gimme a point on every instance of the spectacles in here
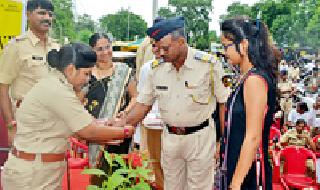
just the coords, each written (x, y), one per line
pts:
(42, 13)
(225, 47)
(103, 48)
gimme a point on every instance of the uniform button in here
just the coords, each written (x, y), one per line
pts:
(178, 96)
(177, 114)
(178, 78)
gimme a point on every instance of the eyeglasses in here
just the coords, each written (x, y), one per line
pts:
(44, 12)
(225, 47)
(103, 48)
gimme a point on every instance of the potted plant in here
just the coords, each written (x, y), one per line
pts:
(128, 172)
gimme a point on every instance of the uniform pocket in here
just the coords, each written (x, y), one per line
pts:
(163, 97)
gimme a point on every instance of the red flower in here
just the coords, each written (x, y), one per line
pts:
(135, 159)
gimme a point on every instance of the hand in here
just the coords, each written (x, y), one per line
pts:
(122, 115)
(217, 154)
(116, 122)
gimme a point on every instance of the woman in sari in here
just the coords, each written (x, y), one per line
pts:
(111, 92)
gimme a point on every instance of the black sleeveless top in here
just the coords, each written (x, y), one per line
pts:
(238, 131)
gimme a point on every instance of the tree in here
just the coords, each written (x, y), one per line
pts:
(117, 25)
(85, 22)
(84, 35)
(196, 14)
(63, 24)
(236, 9)
(165, 12)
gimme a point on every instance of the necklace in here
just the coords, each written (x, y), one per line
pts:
(239, 79)
(102, 73)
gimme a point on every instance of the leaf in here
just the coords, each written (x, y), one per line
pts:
(114, 181)
(141, 186)
(120, 160)
(108, 157)
(93, 187)
(93, 171)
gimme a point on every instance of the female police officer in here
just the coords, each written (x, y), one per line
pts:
(49, 114)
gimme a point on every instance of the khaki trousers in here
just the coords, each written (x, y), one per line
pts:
(154, 148)
(187, 160)
(20, 174)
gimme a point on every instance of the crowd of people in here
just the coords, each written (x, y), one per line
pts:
(50, 93)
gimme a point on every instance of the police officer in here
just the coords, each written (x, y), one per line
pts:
(298, 136)
(186, 86)
(37, 159)
(285, 88)
(23, 61)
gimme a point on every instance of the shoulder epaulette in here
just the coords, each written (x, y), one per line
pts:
(21, 37)
(155, 63)
(205, 57)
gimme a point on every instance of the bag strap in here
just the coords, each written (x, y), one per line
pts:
(229, 119)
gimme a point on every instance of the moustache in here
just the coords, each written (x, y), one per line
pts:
(45, 22)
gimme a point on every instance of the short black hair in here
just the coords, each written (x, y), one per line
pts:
(300, 121)
(43, 4)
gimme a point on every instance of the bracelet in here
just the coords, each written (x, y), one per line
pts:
(12, 125)
(126, 132)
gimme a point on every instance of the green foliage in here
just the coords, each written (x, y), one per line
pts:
(117, 24)
(196, 14)
(290, 21)
(84, 35)
(63, 24)
(122, 173)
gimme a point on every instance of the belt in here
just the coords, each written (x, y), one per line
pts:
(187, 130)
(45, 157)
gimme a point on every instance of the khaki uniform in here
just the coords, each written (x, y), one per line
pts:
(285, 100)
(144, 54)
(44, 126)
(184, 101)
(23, 63)
(291, 138)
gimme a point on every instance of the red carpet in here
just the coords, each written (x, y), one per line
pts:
(78, 181)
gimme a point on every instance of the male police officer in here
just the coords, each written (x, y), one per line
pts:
(186, 86)
(23, 61)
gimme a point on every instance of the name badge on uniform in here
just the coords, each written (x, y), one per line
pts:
(38, 58)
(161, 87)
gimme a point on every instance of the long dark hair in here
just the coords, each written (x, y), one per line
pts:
(261, 53)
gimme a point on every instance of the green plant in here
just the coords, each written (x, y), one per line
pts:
(128, 172)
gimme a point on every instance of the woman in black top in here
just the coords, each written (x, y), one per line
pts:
(251, 106)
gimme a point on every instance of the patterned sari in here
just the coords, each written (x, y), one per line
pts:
(106, 97)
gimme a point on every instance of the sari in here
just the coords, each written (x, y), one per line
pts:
(106, 97)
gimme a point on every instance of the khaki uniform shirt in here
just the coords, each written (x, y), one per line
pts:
(23, 63)
(284, 87)
(49, 114)
(291, 138)
(144, 54)
(183, 96)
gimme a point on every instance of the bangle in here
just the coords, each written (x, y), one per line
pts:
(126, 132)
(12, 125)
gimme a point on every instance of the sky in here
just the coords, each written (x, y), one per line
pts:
(97, 8)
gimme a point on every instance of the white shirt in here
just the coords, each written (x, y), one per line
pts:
(152, 120)
(294, 116)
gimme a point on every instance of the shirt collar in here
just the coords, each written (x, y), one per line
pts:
(57, 74)
(188, 63)
(35, 40)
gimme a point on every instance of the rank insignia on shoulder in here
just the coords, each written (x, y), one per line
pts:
(205, 57)
(156, 63)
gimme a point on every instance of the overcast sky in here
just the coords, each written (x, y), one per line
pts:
(97, 8)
